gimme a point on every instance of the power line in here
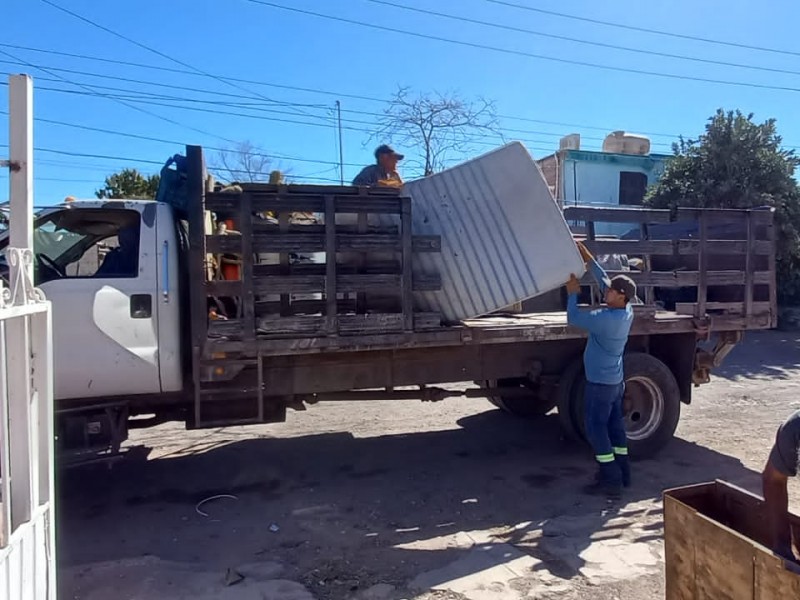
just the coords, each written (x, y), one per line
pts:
(158, 101)
(153, 50)
(581, 41)
(151, 162)
(256, 107)
(143, 95)
(643, 29)
(337, 94)
(475, 141)
(480, 46)
(94, 93)
(179, 143)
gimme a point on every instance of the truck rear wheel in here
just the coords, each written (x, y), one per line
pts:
(651, 405)
(529, 405)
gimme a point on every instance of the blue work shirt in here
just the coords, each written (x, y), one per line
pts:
(608, 333)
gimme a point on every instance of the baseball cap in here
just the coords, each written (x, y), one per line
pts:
(387, 149)
(624, 285)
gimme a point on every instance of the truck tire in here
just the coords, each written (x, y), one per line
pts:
(567, 396)
(520, 406)
(652, 405)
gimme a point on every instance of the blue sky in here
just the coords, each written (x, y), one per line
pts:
(268, 45)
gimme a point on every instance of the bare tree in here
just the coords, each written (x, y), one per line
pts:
(441, 126)
(243, 162)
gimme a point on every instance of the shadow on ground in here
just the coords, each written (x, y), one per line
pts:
(763, 354)
(345, 511)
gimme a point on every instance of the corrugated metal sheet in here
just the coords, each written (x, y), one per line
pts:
(504, 239)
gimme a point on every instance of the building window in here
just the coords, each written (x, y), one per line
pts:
(632, 187)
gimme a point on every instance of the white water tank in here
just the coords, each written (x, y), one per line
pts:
(570, 142)
(621, 142)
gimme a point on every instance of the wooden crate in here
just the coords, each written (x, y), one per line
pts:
(714, 537)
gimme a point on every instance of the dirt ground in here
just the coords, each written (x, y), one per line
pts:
(390, 500)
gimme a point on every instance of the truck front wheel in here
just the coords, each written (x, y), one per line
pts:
(651, 404)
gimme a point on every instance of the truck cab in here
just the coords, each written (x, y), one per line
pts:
(111, 270)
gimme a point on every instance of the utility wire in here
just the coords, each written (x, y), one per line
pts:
(643, 29)
(581, 41)
(510, 51)
(475, 141)
(179, 143)
(155, 51)
(95, 93)
(289, 87)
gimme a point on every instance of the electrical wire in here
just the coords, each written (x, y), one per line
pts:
(522, 53)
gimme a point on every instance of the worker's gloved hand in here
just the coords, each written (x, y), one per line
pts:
(573, 285)
(585, 254)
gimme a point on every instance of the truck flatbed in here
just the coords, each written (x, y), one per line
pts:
(492, 329)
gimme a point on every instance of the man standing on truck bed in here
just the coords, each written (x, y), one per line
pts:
(783, 462)
(608, 329)
(383, 172)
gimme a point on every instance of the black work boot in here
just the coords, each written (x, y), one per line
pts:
(608, 481)
(624, 465)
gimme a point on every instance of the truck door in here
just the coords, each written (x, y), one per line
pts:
(98, 267)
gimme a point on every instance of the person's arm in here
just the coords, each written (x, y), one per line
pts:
(776, 496)
(590, 320)
(366, 177)
(599, 274)
(592, 265)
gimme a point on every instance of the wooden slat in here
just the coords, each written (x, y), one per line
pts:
(686, 278)
(733, 308)
(315, 284)
(361, 297)
(616, 215)
(682, 247)
(311, 200)
(315, 325)
(331, 320)
(248, 295)
(315, 242)
(600, 214)
(406, 283)
(644, 235)
(301, 307)
(772, 265)
(702, 261)
(290, 284)
(198, 314)
(721, 215)
(371, 205)
(284, 259)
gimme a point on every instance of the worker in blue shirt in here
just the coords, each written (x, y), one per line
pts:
(608, 329)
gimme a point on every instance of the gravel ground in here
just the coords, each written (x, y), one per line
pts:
(408, 500)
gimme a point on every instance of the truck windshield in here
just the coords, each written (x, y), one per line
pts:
(51, 240)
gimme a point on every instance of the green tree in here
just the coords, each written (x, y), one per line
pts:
(739, 163)
(129, 183)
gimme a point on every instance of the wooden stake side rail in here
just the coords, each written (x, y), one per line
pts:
(730, 276)
(274, 221)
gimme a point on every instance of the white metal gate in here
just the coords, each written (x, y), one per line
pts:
(27, 532)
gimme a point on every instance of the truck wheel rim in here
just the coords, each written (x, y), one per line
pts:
(643, 407)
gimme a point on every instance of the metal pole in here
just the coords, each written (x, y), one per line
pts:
(341, 148)
(20, 104)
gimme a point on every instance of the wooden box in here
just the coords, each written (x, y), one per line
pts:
(714, 537)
